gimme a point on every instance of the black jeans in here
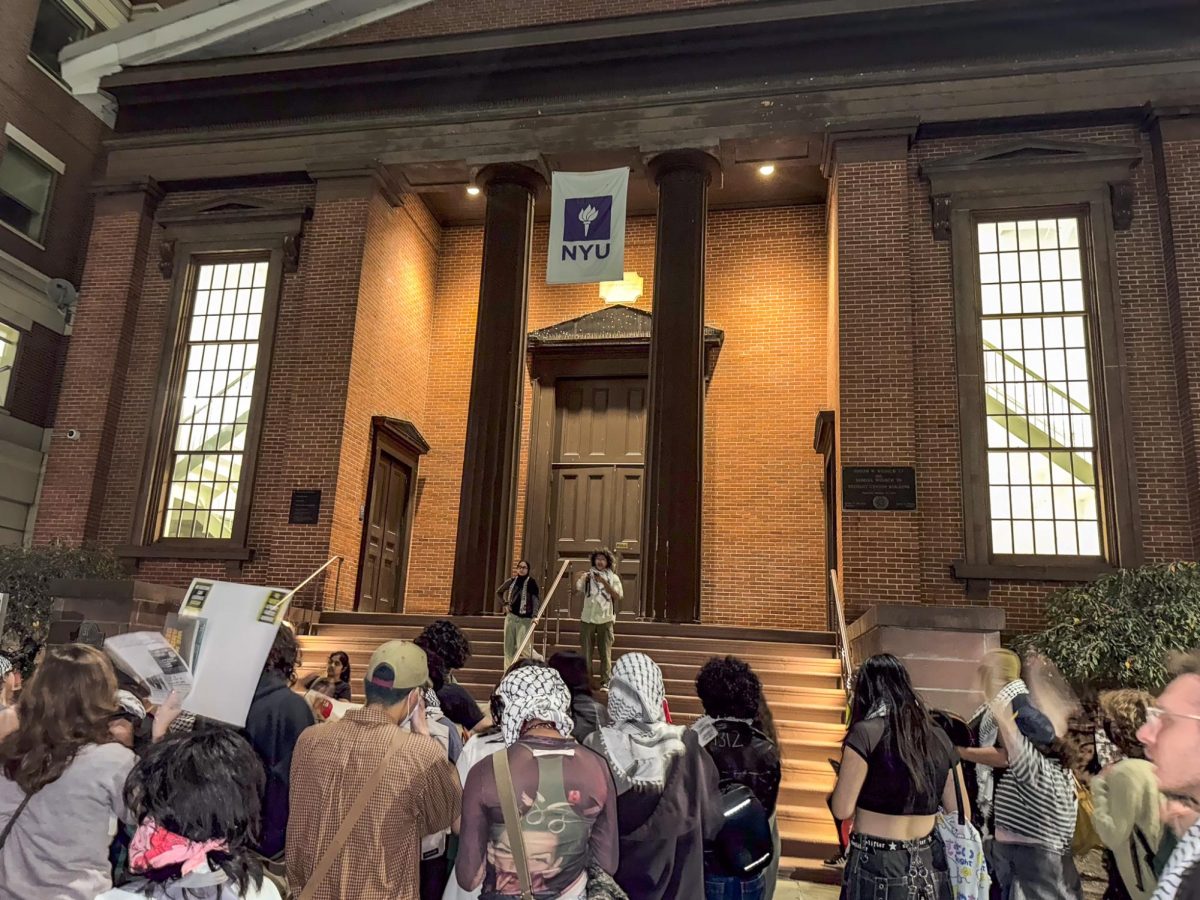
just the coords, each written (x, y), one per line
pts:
(883, 869)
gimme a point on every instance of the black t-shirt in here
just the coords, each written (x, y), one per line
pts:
(459, 706)
(888, 786)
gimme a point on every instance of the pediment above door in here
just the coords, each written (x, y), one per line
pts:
(617, 331)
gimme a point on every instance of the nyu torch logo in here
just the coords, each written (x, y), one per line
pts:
(587, 228)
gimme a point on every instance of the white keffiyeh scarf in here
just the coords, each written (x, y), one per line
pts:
(1185, 855)
(638, 742)
(534, 694)
(989, 730)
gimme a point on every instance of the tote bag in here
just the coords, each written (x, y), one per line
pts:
(964, 852)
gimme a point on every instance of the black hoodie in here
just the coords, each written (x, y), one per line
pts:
(277, 716)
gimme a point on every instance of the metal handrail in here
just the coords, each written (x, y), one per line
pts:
(540, 613)
(318, 606)
(843, 639)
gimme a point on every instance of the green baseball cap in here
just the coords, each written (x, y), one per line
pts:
(398, 665)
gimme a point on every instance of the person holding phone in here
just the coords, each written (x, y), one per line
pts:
(601, 589)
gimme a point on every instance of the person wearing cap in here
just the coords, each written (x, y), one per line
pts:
(412, 789)
(1035, 804)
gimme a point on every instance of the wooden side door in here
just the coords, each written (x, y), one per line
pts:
(384, 564)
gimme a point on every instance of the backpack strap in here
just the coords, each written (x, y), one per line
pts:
(512, 820)
(13, 820)
(343, 833)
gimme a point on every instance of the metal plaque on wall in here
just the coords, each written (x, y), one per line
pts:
(305, 508)
(879, 488)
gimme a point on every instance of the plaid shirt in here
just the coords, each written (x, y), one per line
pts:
(419, 795)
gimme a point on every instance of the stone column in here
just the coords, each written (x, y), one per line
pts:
(488, 496)
(672, 499)
(93, 384)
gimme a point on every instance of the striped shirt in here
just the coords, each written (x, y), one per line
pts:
(1035, 798)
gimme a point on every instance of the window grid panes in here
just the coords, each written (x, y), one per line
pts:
(1041, 422)
(209, 438)
(9, 337)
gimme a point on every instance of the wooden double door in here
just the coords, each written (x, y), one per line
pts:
(597, 465)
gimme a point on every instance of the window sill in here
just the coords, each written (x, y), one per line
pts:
(1063, 572)
(221, 552)
(22, 235)
(57, 79)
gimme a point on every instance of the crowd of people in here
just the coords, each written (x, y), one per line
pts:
(556, 792)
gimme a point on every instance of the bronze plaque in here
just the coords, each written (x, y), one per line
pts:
(879, 488)
(305, 508)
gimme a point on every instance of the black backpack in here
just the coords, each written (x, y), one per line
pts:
(743, 846)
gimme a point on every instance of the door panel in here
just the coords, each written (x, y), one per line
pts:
(596, 496)
(383, 557)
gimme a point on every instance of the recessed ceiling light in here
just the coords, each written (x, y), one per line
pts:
(766, 169)
(473, 191)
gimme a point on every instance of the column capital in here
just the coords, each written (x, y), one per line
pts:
(510, 173)
(343, 179)
(875, 144)
(664, 164)
(1173, 123)
(117, 195)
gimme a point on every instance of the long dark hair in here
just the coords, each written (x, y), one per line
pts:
(344, 659)
(883, 682)
(65, 707)
(204, 785)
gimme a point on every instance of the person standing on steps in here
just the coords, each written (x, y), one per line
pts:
(521, 597)
(601, 588)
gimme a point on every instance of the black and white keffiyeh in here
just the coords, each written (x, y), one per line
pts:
(534, 694)
(638, 742)
(6, 666)
(1185, 856)
(989, 731)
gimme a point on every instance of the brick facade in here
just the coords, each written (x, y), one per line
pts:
(846, 306)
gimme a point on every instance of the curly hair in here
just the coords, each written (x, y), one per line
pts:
(1124, 713)
(445, 639)
(728, 688)
(284, 654)
(204, 786)
(65, 707)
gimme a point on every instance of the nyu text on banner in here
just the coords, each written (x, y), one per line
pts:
(587, 227)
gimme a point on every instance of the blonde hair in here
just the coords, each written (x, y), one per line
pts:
(1005, 663)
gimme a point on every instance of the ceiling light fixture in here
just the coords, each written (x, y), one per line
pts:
(766, 169)
(473, 191)
(625, 291)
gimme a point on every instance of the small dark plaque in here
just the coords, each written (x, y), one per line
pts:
(879, 488)
(305, 508)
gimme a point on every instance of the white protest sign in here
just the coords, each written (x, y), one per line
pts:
(241, 622)
(587, 227)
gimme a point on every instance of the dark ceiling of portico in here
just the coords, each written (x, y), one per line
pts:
(797, 179)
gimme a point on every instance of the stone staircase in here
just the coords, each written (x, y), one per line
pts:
(800, 673)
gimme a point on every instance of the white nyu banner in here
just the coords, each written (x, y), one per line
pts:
(587, 227)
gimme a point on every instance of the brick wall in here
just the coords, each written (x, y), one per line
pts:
(389, 371)
(764, 546)
(35, 377)
(45, 110)
(443, 17)
(876, 355)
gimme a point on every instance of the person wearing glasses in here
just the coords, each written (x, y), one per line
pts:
(1171, 736)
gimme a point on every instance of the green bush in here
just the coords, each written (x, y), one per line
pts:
(1119, 630)
(25, 574)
